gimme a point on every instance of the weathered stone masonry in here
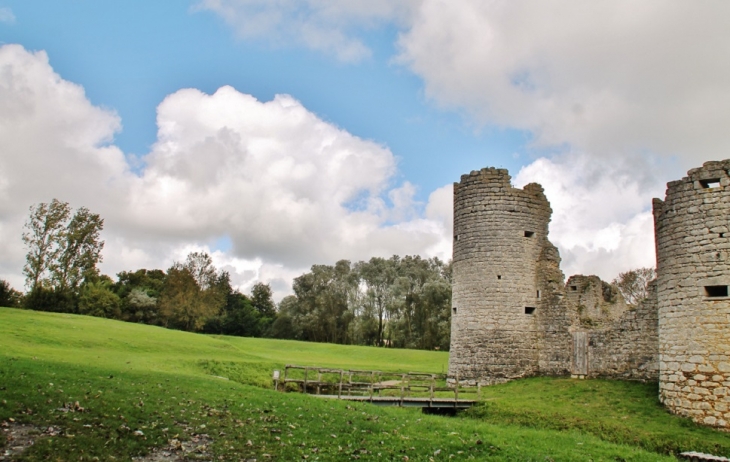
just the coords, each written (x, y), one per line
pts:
(513, 316)
(693, 275)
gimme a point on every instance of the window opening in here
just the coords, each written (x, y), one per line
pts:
(716, 291)
(709, 184)
(499, 276)
(573, 287)
(456, 238)
(722, 234)
(454, 308)
(529, 233)
(529, 310)
(538, 294)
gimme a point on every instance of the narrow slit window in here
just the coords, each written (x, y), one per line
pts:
(529, 310)
(454, 308)
(529, 233)
(709, 184)
(538, 294)
(716, 291)
(456, 238)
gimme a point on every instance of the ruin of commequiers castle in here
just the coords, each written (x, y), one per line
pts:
(515, 316)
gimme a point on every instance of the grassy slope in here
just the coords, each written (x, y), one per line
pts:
(132, 377)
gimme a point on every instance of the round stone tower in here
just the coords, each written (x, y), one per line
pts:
(692, 227)
(500, 237)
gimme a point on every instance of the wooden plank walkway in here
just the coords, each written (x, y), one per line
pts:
(439, 403)
(410, 389)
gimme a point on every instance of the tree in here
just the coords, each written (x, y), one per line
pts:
(139, 291)
(97, 299)
(633, 284)
(193, 293)
(42, 237)
(379, 275)
(79, 250)
(262, 300)
(63, 251)
(9, 297)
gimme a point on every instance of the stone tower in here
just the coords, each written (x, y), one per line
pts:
(500, 242)
(692, 229)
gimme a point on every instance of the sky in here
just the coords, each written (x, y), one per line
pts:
(279, 134)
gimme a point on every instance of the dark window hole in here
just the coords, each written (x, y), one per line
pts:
(708, 184)
(499, 276)
(454, 308)
(538, 294)
(529, 233)
(716, 291)
(456, 238)
(573, 287)
(529, 309)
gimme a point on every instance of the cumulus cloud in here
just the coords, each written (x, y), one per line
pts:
(7, 16)
(606, 78)
(613, 89)
(602, 221)
(284, 188)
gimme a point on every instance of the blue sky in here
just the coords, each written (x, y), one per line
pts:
(129, 56)
(163, 117)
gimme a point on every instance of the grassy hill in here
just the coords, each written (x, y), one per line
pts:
(112, 391)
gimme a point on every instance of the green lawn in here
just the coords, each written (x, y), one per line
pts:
(143, 387)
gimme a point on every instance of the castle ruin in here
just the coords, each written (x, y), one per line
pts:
(514, 316)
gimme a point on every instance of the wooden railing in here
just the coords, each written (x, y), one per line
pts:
(341, 383)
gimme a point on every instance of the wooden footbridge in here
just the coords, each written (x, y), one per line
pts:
(410, 389)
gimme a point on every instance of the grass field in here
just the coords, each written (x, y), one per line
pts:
(141, 388)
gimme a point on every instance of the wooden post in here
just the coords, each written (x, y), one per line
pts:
(433, 382)
(339, 390)
(372, 375)
(479, 390)
(306, 369)
(319, 379)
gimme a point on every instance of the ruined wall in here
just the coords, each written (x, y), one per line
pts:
(499, 236)
(625, 343)
(693, 268)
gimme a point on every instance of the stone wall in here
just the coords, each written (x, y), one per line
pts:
(693, 268)
(625, 344)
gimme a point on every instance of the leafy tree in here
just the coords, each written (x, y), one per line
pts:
(378, 274)
(633, 284)
(262, 300)
(139, 306)
(42, 237)
(63, 251)
(98, 299)
(79, 250)
(285, 325)
(9, 297)
(193, 293)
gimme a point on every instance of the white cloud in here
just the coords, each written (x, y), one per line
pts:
(606, 78)
(7, 16)
(602, 221)
(287, 189)
(329, 26)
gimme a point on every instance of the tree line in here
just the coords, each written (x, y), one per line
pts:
(401, 302)
(397, 302)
